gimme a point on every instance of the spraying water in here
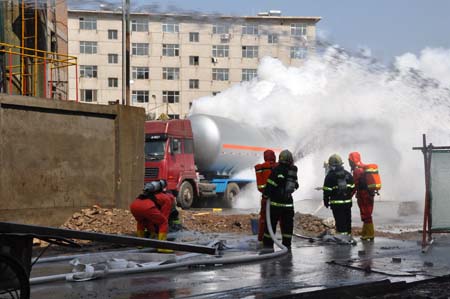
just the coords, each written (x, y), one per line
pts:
(339, 103)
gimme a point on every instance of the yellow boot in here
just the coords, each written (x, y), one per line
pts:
(363, 232)
(140, 233)
(370, 232)
(163, 237)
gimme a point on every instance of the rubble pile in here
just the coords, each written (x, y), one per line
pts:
(119, 221)
(310, 225)
(101, 220)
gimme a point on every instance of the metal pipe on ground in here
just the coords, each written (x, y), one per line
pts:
(11, 228)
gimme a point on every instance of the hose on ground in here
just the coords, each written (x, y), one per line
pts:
(209, 261)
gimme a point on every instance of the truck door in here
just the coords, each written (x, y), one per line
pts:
(176, 162)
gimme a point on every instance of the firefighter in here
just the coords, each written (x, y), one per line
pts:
(262, 172)
(365, 198)
(338, 190)
(281, 183)
(151, 210)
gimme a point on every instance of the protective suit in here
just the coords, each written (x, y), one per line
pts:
(364, 197)
(338, 190)
(262, 172)
(282, 182)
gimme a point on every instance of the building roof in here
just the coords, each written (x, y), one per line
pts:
(200, 16)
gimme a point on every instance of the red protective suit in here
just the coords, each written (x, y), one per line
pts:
(147, 214)
(263, 172)
(164, 202)
(365, 199)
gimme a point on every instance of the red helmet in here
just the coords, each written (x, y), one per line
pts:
(355, 158)
(269, 156)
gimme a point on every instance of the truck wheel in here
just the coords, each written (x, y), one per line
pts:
(186, 195)
(230, 194)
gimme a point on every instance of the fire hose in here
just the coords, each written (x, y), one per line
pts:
(216, 261)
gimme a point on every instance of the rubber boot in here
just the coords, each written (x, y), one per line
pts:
(364, 232)
(140, 234)
(370, 232)
(163, 237)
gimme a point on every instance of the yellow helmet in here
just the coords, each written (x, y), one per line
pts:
(335, 160)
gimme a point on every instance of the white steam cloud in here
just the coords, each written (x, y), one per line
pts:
(337, 103)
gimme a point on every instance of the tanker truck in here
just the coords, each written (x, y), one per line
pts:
(199, 157)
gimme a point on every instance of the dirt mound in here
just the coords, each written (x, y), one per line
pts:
(119, 221)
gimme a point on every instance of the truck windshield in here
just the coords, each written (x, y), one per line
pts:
(154, 149)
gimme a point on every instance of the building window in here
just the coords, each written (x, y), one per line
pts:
(139, 49)
(194, 83)
(194, 60)
(220, 74)
(171, 96)
(220, 51)
(171, 73)
(88, 71)
(171, 50)
(112, 34)
(139, 72)
(88, 95)
(250, 51)
(214, 93)
(221, 29)
(139, 96)
(113, 58)
(248, 74)
(139, 25)
(173, 116)
(170, 27)
(88, 24)
(251, 29)
(272, 38)
(298, 29)
(88, 47)
(113, 82)
(298, 52)
(194, 37)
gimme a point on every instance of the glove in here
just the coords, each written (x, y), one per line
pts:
(326, 203)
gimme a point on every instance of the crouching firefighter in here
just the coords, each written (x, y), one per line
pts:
(338, 190)
(263, 172)
(281, 183)
(151, 209)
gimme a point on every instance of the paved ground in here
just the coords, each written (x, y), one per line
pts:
(311, 267)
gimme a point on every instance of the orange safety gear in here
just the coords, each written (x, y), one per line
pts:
(164, 202)
(147, 215)
(263, 171)
(362, 175)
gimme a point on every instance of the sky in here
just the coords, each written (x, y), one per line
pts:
(388, 28)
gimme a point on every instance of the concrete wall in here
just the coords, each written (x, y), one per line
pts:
(57, 157)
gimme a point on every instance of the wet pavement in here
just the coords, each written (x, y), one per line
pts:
(310, 267)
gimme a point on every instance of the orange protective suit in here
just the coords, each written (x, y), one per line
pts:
(263, 172)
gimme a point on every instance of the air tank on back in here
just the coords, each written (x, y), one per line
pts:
(225, 147)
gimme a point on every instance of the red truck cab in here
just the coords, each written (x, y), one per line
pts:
(169, 155)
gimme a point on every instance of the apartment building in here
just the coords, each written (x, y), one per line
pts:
(178, 58)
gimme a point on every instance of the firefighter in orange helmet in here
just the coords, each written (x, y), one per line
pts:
(263, 172)
(364, 197)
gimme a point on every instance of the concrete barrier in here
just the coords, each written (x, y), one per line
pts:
(57, 157)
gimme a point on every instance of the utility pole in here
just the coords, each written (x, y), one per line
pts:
(126, 52)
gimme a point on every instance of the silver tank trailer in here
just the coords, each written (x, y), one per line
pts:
(225, 147)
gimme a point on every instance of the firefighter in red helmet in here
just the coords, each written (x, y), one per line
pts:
(262, 172)
(364, 196)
